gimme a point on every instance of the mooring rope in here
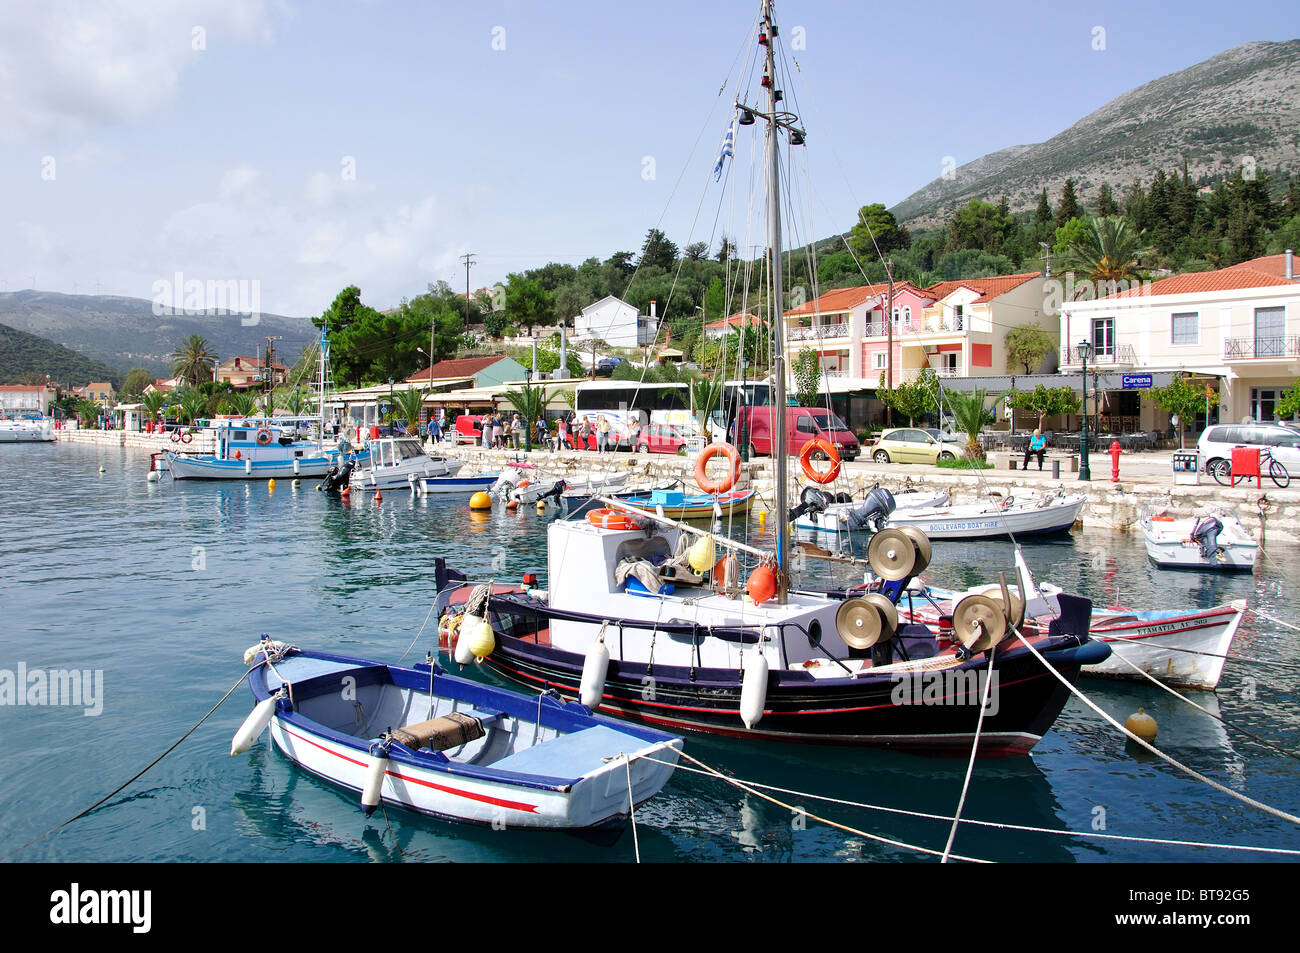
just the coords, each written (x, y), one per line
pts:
(631, 808)
(1103, 636)
(970, 765)
(999, 825)
(1245, 799)
(1274, 620)
(752, 789)
(1245, 731)
(135, 777)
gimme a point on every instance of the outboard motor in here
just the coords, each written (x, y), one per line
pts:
(328, 481)
(1206, 533)
(873, 512)
(555, 492)
(811, 500)
(337, 477)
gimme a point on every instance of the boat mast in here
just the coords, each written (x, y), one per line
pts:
(324, 356)
(775, 121)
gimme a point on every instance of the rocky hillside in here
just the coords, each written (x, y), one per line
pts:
(23, 354)
(1241, 107)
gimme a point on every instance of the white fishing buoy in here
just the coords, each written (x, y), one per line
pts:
(153, 476)
(374, 780)
(594, 668)
(753, 688)
(475, 641)
(253, 726)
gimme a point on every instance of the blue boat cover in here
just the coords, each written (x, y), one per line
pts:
(572, 755)
(297, 668)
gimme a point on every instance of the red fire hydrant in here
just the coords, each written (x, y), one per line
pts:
(1114, 461)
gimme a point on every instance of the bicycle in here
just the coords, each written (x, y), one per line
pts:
(1221, 470)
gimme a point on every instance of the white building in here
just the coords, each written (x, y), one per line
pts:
(19, 399)
(617, 323)
(1239, 324)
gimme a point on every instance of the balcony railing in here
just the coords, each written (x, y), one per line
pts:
(912, 373)
(1116, 354)
(1253, 347)
(818, 332)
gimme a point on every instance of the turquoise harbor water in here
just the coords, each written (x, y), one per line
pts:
(162, 587)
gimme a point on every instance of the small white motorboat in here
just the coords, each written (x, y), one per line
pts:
(456, 749)
(32, 429)
(1211, 541)
(1006, 516)
(397, 463)
(846, 515)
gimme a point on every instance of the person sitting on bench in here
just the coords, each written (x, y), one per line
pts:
(1037, 444)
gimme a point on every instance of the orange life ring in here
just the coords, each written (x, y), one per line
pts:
(612, 519)
(263, 437)
(805, 460)
(707, 454)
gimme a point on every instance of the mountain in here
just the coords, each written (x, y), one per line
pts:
(22, 353)
(125, 332)
(1242, 103)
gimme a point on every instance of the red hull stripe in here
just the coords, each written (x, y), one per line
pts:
(488, 799)
(573, 689)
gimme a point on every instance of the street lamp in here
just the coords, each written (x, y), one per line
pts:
(390, 405)
(1085, 351)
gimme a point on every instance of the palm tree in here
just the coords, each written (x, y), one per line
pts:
(192, 405)
(1107, 251)
(706, 394)
(970, 416)
(153, 401)
(408, 404)
(531, 403)
(240, 403)
(193, 361)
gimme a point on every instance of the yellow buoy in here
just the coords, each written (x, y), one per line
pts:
(541, 507)
(478, 639)
(480, 501)
(1142, 725)
(762, 518)
(270, 484)
(703, 554)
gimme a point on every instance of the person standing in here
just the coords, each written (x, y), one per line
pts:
(1037, 444)
(602, 434)
(517, 432)
(584, 434)
(543, 435)
(562, 433)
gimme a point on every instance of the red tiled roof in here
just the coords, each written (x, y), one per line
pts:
(1199, 282)
(735, 321)
(21, 388)
(1274, 265)
(839, 299)
(459, 367)
(988, 288)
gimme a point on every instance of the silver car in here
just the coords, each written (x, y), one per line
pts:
(1283, 442)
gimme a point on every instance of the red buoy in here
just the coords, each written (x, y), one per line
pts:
(761, 584)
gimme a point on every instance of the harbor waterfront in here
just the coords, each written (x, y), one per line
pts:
(153, 591)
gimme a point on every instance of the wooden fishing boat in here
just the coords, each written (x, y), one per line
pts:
(459, 750)
(680, 505)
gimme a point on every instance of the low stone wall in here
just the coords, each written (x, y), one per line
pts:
(202, 442)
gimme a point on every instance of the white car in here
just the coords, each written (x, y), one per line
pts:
(1283, 442)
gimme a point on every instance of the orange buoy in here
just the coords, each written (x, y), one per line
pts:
(761, 584)
(726, 574)
(707, 454)
(612, 519)
(512, 505)
(805, 460)
(379, 497)
(345, 493)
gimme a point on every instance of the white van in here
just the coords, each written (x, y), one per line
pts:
(1283, 442)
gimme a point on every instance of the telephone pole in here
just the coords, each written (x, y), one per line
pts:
(889, 323)
(468, 259)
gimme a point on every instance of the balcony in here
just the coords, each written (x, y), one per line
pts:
(912, 373)
(818, 332)
(1274, 346)
(1117, 355)
(955, 324)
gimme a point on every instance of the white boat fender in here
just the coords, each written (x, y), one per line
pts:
(375, 772)
(594, 668)
(753, 689)
(248, 465)
(295, 466)
(153, 476)
(253, 726)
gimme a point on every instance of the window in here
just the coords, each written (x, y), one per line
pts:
(1270, 333)
(1263, 400)
(957, 317)
(907, 315)
(805, 425)
(1185, 328)
(1103, 337)
(879, 360)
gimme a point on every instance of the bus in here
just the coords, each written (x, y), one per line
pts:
(620, 401)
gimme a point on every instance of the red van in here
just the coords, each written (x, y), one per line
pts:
(801, 425)
(469, 428)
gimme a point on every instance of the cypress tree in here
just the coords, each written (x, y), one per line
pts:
(1106, 204)
(1069, 207)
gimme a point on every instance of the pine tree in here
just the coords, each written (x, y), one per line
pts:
(1135, 205)
(1043, 214)
(1106, 205)
(1069, 207)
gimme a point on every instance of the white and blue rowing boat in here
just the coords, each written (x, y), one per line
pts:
(460, 750)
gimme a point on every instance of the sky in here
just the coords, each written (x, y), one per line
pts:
(305, 146)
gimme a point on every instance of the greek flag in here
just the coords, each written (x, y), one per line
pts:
(728, 144)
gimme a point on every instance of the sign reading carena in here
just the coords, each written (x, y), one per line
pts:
(1136, 381)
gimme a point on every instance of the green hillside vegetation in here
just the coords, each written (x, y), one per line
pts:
(26, 359)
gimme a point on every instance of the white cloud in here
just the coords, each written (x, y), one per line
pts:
(67, 68)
